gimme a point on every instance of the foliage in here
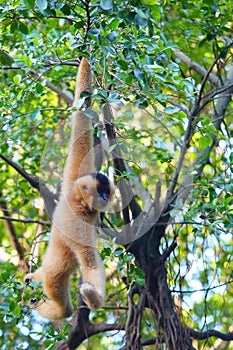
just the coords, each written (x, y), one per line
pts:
(157, 95)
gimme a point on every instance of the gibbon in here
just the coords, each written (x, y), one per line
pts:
(72, 241)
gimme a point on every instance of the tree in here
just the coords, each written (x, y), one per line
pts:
(163, 78)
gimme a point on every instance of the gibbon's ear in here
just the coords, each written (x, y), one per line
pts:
(82, 187)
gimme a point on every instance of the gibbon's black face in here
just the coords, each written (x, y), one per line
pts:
(102, 188)
(103, 191)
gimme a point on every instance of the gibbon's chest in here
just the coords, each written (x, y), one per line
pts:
(70, 222)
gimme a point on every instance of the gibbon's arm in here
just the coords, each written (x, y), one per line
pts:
(80, 160)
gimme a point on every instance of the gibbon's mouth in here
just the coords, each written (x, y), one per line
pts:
(103, 201)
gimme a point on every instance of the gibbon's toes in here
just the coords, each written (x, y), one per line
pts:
(33, 303)
(90, 296)
(28, 278)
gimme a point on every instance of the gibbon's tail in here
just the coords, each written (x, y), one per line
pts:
(83, 82)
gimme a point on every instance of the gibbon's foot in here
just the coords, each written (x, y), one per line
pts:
(34, 303)
(28, 278)
(50, 309)
(90, 296)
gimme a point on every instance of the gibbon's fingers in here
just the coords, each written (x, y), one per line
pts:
(36, 276)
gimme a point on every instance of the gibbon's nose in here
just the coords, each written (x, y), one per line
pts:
(105, 196)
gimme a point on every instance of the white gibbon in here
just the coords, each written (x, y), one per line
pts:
(72, 240)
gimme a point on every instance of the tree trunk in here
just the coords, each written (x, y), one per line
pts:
(157, 293)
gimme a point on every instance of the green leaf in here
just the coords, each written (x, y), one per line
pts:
(42, 4)
(66, 10)
(80, 102)
(171, 109)
(138, 74)
(115, 24)
(35, 114)
(39, 88)
(140, 281)
(123, 64)
(23, 28)
(118, 251)
(85, 94)
(17, 79)
(189, 86)
(205, 141)
(5, 58)
(30, 4)
(13, 27)
(91, 114)
(112, 36)
(94, 32)
(17, 311)
(142, 21)
(106, 4)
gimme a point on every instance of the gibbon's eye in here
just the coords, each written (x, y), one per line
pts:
(103, 192)
(85, 187)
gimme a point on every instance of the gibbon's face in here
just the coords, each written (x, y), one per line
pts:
(96, 190)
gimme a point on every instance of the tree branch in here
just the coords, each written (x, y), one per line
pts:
(203, 155)
(12, 233)
(128, 199)
(40, 78)
(210, 333)
(47, 195)
(26, 220)
(213, 79)
(184, 148)
(34, 182)
(52, 87)
(208, 74)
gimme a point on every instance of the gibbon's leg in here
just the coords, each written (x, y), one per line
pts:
(58, 264)
(56, 287)
(93, 287)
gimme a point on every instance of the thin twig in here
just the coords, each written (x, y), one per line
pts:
(26, 220)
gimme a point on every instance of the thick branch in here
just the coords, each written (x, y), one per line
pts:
(119, 165)
(34, 182)
(213, 79)
(134, 316)
(210, 333)
(47, 195)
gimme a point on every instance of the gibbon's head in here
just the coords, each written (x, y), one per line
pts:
(95, 191)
